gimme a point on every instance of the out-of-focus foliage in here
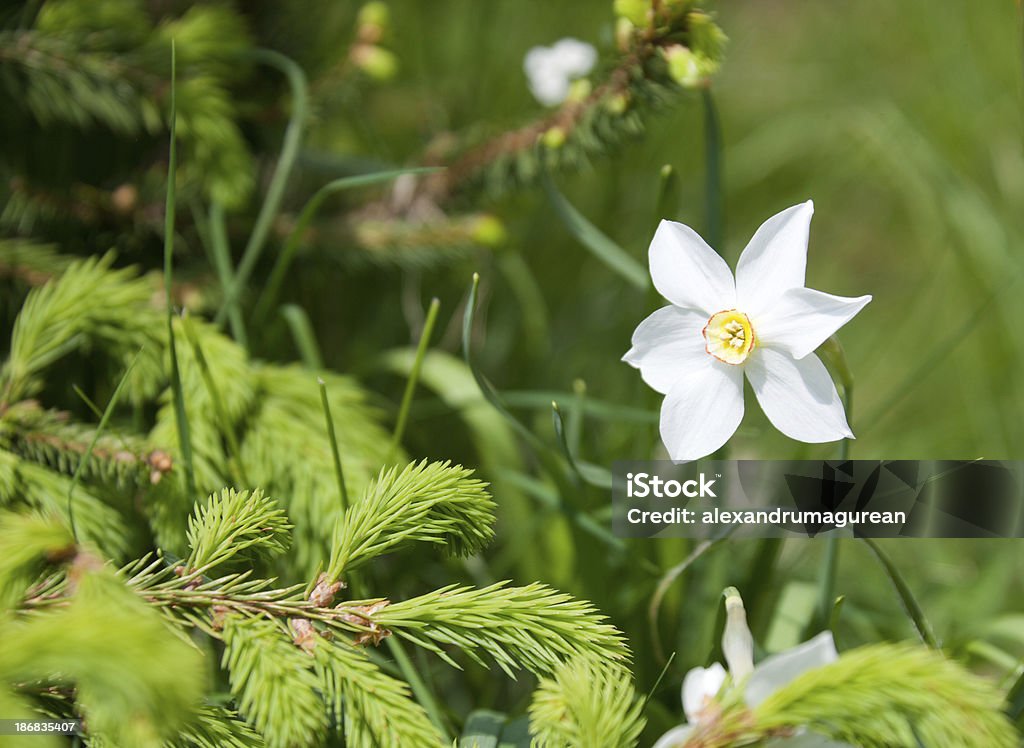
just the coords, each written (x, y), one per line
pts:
(901, 120)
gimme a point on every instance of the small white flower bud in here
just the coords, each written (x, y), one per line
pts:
(737, 641)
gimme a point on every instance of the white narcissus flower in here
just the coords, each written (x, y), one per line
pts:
(764, 325)
(702, 685)
(551, 70)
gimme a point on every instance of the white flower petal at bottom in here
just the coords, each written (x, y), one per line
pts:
(798, 396)
(702, 410)
(666, 345)
(700, 685)
(775, 259)
(778, 670)
(675, 738)
(803, 318)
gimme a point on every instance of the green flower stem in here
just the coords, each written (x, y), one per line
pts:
(414, 375)
(713, 166)
(835, 360)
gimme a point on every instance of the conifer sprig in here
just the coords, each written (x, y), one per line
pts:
(587, 703)
(271, 678)
(891, 694)
(370, 706)
(233, 523)
(532, 627)
(639, 80)
(427, 502)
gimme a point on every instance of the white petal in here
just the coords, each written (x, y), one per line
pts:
(797, 396)
(776, 671)
(667, 344)
(537, 61)
(675, 738)
(702, 410)
(688, 272)
(574, 57)
(737, 641)
(550, 89)
(699, 685)
(549, 83)
(774, 260)
(802, 319)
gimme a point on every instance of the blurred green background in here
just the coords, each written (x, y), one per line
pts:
(902, 121)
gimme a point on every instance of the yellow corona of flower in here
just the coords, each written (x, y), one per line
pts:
(763, 324)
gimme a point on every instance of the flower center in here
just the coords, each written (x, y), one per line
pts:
(729, 336)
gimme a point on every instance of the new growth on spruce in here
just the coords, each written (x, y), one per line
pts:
(295, 656)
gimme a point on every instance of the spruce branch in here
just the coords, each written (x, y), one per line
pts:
(427, 502)
(284, 449)
(89, 304)
(373, 708)
(639, 81)
(25, 540)
(289, 650)
(586, 703)
(76, 70)
(532, 627)
(52, 438)
(31, 262)
(273, 682)
(135, 681)
(25, 484)
(892, 694)
(217, 727)
(232, 523)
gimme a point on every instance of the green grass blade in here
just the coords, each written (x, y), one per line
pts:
(910, 604)
(180, 416)
(603, 248)
(595, 475)
(1015, 700)
(77, 476)
(414, 375)
(275, 192)
(339, 473)
(220, 252)
(275, 281)
(302, 334)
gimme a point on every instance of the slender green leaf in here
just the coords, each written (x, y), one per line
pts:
(603, 248)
